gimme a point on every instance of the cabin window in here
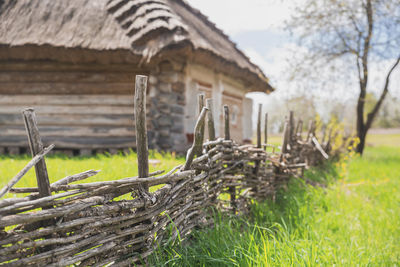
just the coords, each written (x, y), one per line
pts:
(234, 115)
(204, 88)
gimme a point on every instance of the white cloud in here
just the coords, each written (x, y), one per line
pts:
(234, 16)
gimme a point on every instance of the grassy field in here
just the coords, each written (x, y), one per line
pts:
(390, 140)
(354, 221)
(59, 166)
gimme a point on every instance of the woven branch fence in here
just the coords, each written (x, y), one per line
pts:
(121, 222)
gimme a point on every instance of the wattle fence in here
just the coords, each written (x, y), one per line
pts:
(121, 222)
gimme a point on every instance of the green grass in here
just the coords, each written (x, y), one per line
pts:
(59, 166)
(355, 221)
(390, 140)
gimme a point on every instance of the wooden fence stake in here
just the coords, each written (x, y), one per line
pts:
(328, 143)
(226, 119)
(200, 102)
(285, 137)
(36, 146)
(314, 128)
(231, 189)
(324, 130)
(141, 127)
(299, 129)
(266, 130)
(259, 126)
(197, 139)
(310, 126)
(291, 126)
(210, 120)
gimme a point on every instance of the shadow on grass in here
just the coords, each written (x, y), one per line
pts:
(246, 240)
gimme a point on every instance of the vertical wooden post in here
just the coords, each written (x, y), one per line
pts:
(285, 137)
(284, 141)
(299, 129)
(328, 143)
(231, 189)
(200, 101)
(266, 130)
(291, 126)
(310, 126)
(259, 126)
(141, 127)
(226, 119)
(196, 141)
(36, 146)
(323, 134)
(210, 119)
(314, 128)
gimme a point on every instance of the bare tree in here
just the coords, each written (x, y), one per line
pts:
(355, 32)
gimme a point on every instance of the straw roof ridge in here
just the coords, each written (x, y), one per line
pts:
(151, 25)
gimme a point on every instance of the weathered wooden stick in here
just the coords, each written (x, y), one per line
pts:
(259, 126)
(218, 141)
(49, 213)
(231, 189)
(73, 178)
(39, 258)
(266, 130)
(328, 143)
(51, 229)
(310, 129)
(61, 187)
(11, 201)
(285, 137)
(104, 248)
(132, 181)
(197, 139)
(291, 126)
(36, 146)
(299, 129)
(31, 163)
(210, 120)
(38, 201)
(141, 127)
(200, 103)
(226, 119)
(319, 147)
(324, 130)
(314, 128)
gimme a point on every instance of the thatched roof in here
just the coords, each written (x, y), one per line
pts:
(145, 27)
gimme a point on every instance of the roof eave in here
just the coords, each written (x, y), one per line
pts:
(254, 81)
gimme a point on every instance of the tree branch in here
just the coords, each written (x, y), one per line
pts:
(372, 114)
(364, 62)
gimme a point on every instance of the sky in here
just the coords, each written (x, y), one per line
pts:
(257, 27)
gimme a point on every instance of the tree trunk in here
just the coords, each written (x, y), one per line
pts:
(361, 145)
(363, 127)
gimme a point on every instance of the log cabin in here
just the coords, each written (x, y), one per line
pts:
(75, 63)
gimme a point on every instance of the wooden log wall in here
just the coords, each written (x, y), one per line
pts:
(77, 109)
